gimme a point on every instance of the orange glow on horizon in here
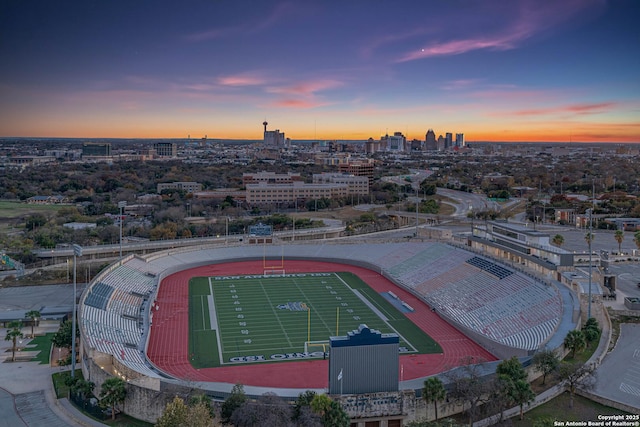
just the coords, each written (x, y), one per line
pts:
(587, 132)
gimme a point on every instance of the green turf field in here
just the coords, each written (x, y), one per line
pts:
(247, 319)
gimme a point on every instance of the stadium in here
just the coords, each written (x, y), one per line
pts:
(210, 317)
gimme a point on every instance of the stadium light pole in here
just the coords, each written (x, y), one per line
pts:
(593, 196)
(417, 220)
(77, 251)
(121, 206)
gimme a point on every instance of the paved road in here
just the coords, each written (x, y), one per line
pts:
(618, 377)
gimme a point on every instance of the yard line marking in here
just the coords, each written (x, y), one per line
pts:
(275, 314)
(377, 312)
(295, 282)
(212, 308)
(221, 360)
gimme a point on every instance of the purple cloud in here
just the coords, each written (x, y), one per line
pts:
(530, 19)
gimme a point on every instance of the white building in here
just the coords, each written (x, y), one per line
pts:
(265, 193)
(355, 184)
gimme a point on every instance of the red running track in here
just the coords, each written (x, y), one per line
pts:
(168, 343)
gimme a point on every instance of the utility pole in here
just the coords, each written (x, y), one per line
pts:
(121, 206)
(77, 251)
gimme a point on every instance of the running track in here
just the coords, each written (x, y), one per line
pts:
(168, 343)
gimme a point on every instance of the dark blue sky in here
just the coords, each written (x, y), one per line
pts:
(494, 70)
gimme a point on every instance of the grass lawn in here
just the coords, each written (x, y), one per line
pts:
(558, 410)
(256, 319)
(41, 343)
(13, 209)
(58, 382)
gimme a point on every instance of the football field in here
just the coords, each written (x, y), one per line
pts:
(249, 319)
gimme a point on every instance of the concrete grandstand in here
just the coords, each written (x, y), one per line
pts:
(132, 314)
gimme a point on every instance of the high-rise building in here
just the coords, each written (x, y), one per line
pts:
(448, 141)
(430, 141)
(359, 168)
(460, 140)
(96, 149)
(273, 138)
(396, 142)
(166, 149)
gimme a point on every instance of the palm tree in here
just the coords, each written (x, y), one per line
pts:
(113, 392)
(619, 236)
(575, 341)
(14, 332)
(33, 315)
(433, 391)
(589, 238)
(558, 240)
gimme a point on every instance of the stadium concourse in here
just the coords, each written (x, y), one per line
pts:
(168, 344)
(134, 317)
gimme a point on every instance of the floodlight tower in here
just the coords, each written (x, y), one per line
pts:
(77, 251)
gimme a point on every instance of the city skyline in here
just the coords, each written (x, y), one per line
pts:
(496, 71)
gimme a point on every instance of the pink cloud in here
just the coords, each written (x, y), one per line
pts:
(586, 108)
(307, 88)
(297, 103)
(241, 80)
(304, 94)
(532, 18)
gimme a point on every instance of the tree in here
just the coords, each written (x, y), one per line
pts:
(470, 388)
(112, 393)
(619, 236)
(520, 393)
(433, 391)
(558, 240)
(203, 399)
(14, 332)
(336, 416)
(575, 341)
(178, 414)
(199, 415)
(303, 415)
(174, 414)
(233, 402)
(589, 238)
(545, 361)
(33, 315)
(591, 330)
(62, 338)
(34, 221)
(511, 368)
(636, 239)
(514, 378)
(79, 386)
(268, 410)
(575, 375)
(330, 411)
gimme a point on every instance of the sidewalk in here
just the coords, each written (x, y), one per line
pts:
(27, 394)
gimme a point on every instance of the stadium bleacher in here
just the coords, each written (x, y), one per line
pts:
(502, 304)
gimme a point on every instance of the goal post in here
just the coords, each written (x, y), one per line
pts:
(314, 346)
(276, 271)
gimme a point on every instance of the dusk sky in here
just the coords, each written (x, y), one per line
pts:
(505, 70)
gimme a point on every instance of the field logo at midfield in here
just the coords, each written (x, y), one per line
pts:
(293, 306)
